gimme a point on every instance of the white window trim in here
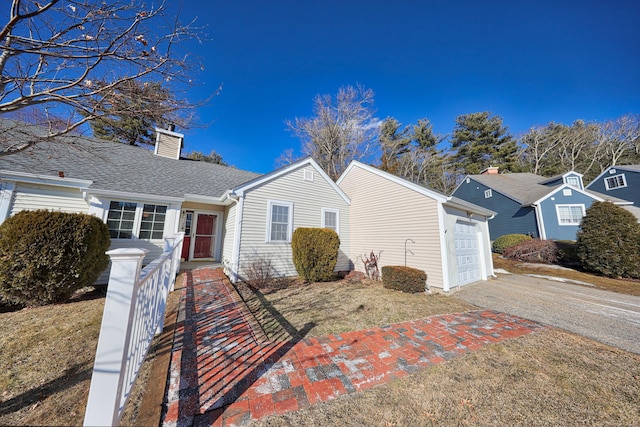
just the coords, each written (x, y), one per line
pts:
(270, 204)
(576, 184)
(606, 181)
(488, 193)
(137, 220)
(573, 224)
(322, 217)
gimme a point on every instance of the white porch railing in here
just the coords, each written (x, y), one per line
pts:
(133, 314)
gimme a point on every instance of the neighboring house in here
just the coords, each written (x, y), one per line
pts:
(622, 182)
(228, 215)
(404, 222)
(525, 203)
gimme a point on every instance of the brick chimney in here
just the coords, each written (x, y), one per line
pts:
(168, 143)
(491, 170)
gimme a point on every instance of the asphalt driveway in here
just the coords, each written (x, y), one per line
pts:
(604, 316)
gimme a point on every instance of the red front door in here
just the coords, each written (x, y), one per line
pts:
(205, 236)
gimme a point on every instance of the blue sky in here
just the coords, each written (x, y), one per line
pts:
(530, 62)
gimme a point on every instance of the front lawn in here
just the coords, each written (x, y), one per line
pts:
(548, 378)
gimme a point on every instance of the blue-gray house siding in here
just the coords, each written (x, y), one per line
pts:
(548, 209)
(632, 190)
(511, 216)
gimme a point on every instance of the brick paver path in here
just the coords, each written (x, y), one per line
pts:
(224, 372)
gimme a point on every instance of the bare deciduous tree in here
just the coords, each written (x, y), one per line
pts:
(70, 58)
(342, 129)
(620, 139)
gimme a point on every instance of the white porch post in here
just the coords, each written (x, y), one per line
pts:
(105, 394)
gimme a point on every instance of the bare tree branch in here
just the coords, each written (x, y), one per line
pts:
(76, 56)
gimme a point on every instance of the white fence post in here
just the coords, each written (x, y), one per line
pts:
(105, 394)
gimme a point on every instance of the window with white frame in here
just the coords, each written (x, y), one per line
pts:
(616, 181)
(330, 219)
(573, 181)
(279, 221)
(488, 193)
(570, 214)
(152, 223)
(121, 219)
(127, 220)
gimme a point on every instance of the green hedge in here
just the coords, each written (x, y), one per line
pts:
(404, 279)
(46, 256)
(507, 240)
(609, 241)
(315, 253)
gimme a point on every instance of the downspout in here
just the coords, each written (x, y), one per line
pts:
(539, 222)
(235, 256)
(444, 249)
(6, 196)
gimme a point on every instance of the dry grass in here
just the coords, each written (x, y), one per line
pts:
(331, 308)
(549, 378)
(623, 286)
(47, 357)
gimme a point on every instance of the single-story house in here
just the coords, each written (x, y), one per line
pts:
(236, 217)
(228, 215)
(525, 203)
(408, 224)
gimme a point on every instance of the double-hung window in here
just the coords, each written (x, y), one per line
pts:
(127, 220)
(616, 181)
(570, 214)
(330, 219)
(121, 219)
(279, 221)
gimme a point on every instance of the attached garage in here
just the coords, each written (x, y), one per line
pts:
(408, 224)
(469, 268)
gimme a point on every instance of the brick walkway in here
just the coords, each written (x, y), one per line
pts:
(224, 372)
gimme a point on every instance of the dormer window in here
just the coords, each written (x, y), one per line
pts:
(573, 181)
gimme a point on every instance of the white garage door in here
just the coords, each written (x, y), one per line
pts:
(467, 253)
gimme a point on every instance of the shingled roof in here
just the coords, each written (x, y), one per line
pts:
(527, 188)
(113, 166)
(524, 188)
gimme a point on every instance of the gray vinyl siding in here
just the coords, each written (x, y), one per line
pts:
(27, 197)
(308, 199)
(631, 192)
(384, 215)
(511, 217)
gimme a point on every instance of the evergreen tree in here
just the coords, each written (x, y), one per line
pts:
(131, 113)
(481, 140)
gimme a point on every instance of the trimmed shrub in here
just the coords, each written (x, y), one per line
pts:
(533, 250)
(508, 240)
(609, 241)
(46, 256)
(406, 279)
(315, 253)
